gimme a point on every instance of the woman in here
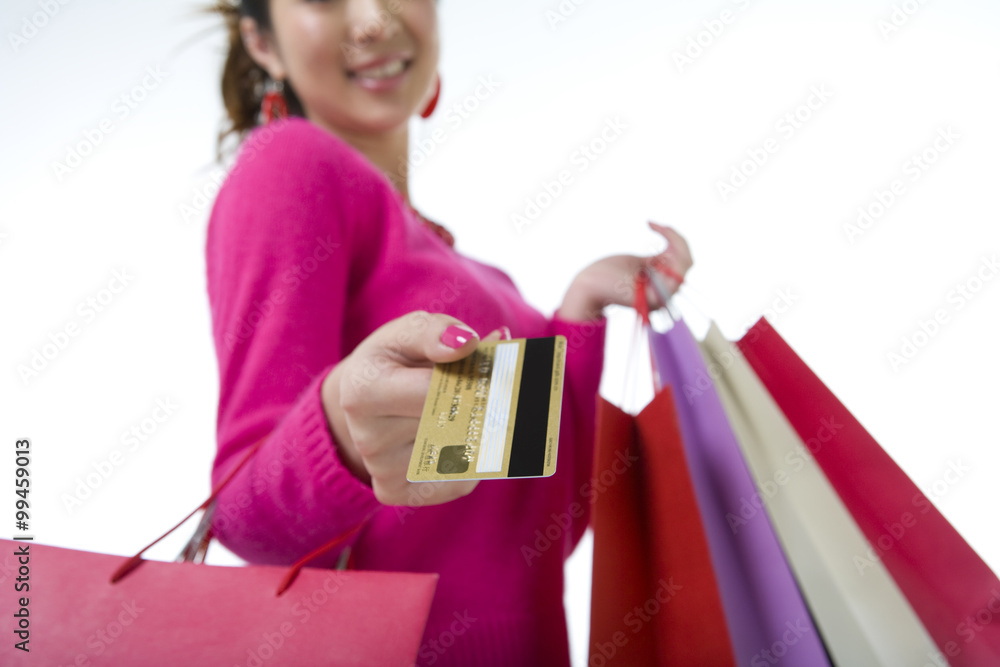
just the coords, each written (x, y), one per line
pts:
(331, 301)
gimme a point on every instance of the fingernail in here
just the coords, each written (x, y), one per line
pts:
(505, 333)
(455, 336)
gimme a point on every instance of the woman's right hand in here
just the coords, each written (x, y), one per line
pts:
(374, 397)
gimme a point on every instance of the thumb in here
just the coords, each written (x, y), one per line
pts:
(454, 338)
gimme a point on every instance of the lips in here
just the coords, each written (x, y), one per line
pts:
(382, 75)
(381, 68)
(385, 71)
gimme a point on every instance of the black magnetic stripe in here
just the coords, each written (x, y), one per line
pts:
(531, 425)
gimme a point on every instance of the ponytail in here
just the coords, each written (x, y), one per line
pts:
(243, 80)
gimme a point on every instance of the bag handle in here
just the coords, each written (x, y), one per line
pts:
(196, 549)
(651, 277)
(198, 544)
(642, 324)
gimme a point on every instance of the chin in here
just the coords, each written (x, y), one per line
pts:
(369, 121)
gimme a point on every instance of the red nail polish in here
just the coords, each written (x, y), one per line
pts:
(455, 336)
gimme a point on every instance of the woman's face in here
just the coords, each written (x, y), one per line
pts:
(357, 66)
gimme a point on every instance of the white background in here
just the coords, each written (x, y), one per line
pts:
(687, 128)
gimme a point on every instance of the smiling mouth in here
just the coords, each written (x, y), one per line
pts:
(380, 72)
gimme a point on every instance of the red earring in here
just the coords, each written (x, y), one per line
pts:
(429, 109)
(274, 106)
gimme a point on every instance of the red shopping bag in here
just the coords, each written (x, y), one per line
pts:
(655, 600)
(170, 614)
(87, 609)
(955, 594)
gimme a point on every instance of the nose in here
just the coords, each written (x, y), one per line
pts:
(372, 20)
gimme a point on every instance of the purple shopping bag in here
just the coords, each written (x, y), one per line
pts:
(768, 620)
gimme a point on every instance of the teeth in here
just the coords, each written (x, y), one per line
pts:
(383, 71)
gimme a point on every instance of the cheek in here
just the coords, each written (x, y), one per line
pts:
(311, 47)
(420, 18)
(321, 61)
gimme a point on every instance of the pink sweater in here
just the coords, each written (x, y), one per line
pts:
(309, 250)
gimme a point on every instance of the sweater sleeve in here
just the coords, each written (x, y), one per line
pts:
(291, 233)
(584, 365)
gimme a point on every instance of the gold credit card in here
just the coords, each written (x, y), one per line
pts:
(493, 414)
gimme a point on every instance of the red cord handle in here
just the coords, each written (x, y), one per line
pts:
(135, 560)
(125, 568)
(641, 299)
(669, 273)
(642, 308)
(294, 570)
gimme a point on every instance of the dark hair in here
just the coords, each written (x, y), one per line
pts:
(243, 80)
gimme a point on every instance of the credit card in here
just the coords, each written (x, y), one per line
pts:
(494, 414)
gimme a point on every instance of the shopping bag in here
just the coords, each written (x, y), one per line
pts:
(81, 608)
(767, 617)
(864, 621)
(170, 614)
(654, 599)
(951, 589)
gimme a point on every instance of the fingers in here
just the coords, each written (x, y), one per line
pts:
(674, 262)
(503, 333)
(392, 488)
(420, 337)
(393, 492)
(377, 438)
(676, 244)
(383, 385)
(396, 391)
(400, 390)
